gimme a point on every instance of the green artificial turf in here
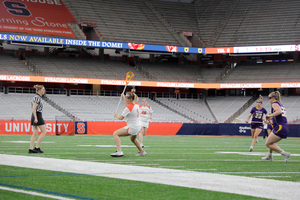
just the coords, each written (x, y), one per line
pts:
(202, 154)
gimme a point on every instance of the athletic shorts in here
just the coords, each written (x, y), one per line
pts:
(133, 130)
(144, 123)
(281, 131)
(39, 118)
(257, 125)
(269, 127)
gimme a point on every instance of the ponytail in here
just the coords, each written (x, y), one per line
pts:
(276, 95)
(260, 99)
(132, 96)
(38, 87)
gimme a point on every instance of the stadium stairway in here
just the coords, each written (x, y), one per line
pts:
(174, 110)
(241, 110)
(210, 110)
(59, 108)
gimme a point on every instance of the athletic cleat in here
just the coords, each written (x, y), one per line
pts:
(38, 150)
(141, 154)
(286, 156)
(117, 154)
(267, 158)
(251, 149)
(32, 151)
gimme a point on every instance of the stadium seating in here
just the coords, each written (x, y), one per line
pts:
(218, 23)
(172, 72)
(121, 21)
(18, 107)
(11, 65)
(194, 108)
(101, 108)
(181, 72)
(94, 68)
(225, 107)
(267, 72)
(93, 108)
(261, 23)
(82, 68)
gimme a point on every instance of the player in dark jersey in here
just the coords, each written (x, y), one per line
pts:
(37, 120)
(257, 121)
(280, 127)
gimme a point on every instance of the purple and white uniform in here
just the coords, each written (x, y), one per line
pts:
(280, 124)
(257, 118)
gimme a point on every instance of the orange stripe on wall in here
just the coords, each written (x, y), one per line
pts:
(103, 128)
(107, 128)
(163, 128)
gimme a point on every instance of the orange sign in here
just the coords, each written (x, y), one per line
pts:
(219, 50)
(43, 17)
(46, 79)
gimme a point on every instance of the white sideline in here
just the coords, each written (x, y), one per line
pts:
(257, 187)
(34, 193)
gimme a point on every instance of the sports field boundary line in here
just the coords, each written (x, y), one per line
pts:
(38, 192)
(272, 189)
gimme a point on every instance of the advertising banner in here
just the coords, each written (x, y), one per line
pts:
(271, 48)
(100, 44)
(219, 50)
(24, 127)
(46, 79)
(42, 17)
(16, 127)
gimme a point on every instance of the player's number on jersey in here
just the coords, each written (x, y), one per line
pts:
(144, 112)
(283, 112)
(258, 115)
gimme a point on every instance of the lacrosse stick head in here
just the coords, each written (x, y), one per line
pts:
(129, 76)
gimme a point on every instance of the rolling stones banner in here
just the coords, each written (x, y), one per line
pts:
(42, 17)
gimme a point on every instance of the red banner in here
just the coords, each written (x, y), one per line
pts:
(43, 17)
(16, 127)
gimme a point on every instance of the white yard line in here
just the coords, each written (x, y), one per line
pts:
(273, 176)
(272, 189)
(251, 153)
(34, 193)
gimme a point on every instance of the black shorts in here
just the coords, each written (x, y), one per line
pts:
(39, 118)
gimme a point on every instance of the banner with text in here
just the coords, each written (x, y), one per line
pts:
(108, 128)
(101, 44)
(46, 79)
(24, 127)
(43, 17)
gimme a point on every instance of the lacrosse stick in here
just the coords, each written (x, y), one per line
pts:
(129, 75)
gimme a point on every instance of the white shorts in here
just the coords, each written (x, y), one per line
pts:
(133, 130)
(145, 123)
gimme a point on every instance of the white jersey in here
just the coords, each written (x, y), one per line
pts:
(131, 114)
(145, 112)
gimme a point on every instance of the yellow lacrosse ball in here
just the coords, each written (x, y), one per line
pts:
(128, 76)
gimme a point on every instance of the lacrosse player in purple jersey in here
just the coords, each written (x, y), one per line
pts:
(257, 121)
(280, 127)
